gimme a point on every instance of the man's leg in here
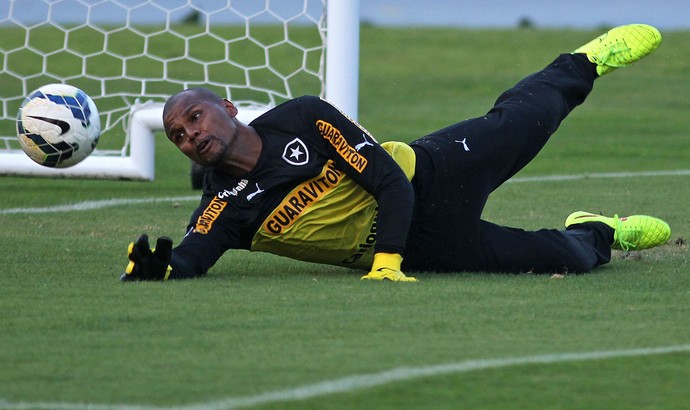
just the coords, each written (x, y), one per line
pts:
(546, 250)
(459, 166)
(494, 147)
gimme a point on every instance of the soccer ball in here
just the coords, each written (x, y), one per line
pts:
(58, 125)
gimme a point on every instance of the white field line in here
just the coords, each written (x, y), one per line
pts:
(549, 178)
(91, 205)
(364, 381)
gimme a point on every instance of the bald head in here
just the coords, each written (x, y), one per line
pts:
(191, 95)
(177, 102)
(204, 127)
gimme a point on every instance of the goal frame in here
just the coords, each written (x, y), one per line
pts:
(145, 120)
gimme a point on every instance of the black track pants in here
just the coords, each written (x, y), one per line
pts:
(459, 166)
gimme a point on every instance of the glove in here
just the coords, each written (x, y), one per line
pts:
(387, 266)
(146, 263)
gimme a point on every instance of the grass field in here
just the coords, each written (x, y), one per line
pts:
(266, 332)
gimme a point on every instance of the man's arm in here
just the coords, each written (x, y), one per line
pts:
(198, 251)
(359, 155)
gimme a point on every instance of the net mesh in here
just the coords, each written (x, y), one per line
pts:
(125, 53)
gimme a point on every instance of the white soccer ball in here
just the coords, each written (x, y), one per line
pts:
(58, 125)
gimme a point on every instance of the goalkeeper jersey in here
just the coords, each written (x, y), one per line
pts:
(323, 190)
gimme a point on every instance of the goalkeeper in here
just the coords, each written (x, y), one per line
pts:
(305, 181)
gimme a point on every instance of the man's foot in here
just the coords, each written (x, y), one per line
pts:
(635, 232)
(621, 46)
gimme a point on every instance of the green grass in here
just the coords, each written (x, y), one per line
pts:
(70, 332)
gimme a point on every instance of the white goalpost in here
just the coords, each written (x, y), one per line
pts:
(130, 55)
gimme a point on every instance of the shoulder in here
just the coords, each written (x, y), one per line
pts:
(299, 103)
(306, 105)
(294, 114)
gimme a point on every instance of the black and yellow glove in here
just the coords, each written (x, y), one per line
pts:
(146, 263)
(387, 266)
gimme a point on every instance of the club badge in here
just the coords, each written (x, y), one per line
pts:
(296, 153)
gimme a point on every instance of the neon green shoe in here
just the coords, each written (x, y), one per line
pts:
(635, 232)
(621, 46)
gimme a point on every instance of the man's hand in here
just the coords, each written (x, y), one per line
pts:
(146, 263)
(387, 266)
(390, 274)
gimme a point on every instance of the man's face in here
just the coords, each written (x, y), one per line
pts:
(203, 129)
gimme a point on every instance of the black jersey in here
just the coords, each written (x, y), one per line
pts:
(323, 190)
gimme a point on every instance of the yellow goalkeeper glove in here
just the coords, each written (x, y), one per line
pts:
(387, 266)
(146, 263)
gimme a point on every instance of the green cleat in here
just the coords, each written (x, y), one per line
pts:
(635, 232)
(621, 46)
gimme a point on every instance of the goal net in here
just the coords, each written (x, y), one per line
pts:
(131, 55)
